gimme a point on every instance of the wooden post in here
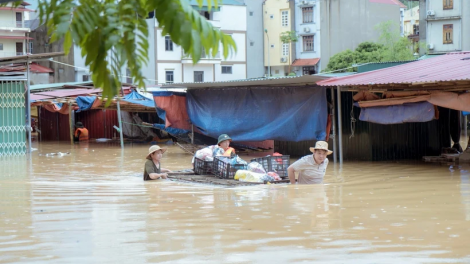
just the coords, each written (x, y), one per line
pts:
(335, 153)
(70, 122)
(192, 133)
(340, 127)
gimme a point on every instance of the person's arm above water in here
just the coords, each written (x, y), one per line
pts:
(165, 170)
(153, 174)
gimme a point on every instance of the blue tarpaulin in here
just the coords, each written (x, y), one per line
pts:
(256, 114)
(136, 98)
(465, 113)
(85, 102)
(397, 114)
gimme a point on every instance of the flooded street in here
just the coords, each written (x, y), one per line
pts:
(92, 206)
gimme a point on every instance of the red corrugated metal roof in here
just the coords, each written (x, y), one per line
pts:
(36, 97)
(450, 67)
(70, 93)
(306, 62)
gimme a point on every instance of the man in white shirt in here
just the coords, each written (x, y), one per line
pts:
(311, 168)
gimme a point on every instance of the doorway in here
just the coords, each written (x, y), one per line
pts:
(19, 48)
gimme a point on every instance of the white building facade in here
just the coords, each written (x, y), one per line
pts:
(307, 49)
(14, 39)
(173, 66)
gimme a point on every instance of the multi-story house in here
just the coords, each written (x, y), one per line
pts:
(14, 39)
(444, 25)
(307, 26)
(278, 17)
(327, 27)
(169, 64)
(173, 65)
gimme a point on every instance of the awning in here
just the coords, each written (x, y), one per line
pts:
(15, 37)
(306, 62)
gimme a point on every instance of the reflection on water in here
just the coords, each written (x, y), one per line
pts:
(91, 206)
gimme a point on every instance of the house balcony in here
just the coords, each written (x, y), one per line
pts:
(205, 58)
(13, 25)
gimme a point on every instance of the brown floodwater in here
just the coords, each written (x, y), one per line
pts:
(91, 206)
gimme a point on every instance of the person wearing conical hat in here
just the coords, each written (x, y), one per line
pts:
(153, 169)
(311, 168)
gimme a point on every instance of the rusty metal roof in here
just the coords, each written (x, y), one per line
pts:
(70, 93)
(445, 68)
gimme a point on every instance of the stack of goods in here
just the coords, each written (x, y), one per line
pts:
(256, 173)
(203, 160)
(226, 167)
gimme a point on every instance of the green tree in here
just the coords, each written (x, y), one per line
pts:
(113, 34)
(289, 37)
(397, 48)
(390, 47)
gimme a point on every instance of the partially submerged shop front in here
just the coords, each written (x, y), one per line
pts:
(403, 112)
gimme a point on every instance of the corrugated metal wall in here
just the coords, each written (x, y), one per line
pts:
(55, 126)
(99, 122)
(374, 142)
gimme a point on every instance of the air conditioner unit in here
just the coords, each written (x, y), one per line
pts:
(430, 46)
(306, 29)
(431, 13)
(284, 59)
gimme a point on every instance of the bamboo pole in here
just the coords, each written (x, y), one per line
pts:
(120, 123)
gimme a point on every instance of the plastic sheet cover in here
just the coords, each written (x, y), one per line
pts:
(256, 114)
(85, 102)
(397, 114)
(136, 98)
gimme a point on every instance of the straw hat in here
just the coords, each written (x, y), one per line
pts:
(154, 148)
(321, 145)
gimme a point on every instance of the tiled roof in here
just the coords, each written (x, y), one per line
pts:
(306, 62)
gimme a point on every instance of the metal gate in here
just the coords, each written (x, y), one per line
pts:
(12, 118)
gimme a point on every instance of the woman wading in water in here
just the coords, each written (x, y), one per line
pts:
(153, 169)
